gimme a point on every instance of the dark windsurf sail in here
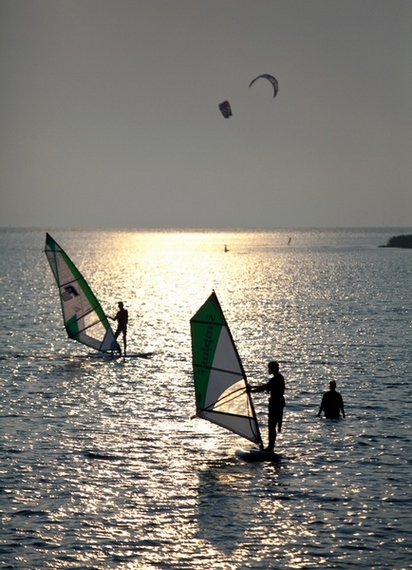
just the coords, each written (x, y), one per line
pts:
(225, 109)
(270, 78)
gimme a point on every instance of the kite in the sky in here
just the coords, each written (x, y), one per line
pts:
(225, 109)
(270, 78)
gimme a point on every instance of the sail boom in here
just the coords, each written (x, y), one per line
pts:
(223, 400)
(200, 413)
(86, 327)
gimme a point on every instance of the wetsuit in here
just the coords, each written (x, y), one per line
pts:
(331, 404)
(122, 318)
(276, 387)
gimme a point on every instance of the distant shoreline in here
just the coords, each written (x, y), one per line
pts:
(404, 241)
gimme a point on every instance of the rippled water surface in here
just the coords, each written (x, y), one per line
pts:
(101, 464)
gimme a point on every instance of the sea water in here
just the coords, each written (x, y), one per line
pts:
(102, 466)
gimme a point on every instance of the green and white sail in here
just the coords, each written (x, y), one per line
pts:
(84, 318)
(220, 380)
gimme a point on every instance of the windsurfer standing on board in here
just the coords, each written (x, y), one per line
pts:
(332, 403)
(122, 318)
(276, 387)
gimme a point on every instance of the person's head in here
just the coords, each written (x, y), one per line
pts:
(332, 385)
(120, 305)
(273, 367)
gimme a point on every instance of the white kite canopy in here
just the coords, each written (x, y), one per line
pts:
(220, 381)
(84, 318)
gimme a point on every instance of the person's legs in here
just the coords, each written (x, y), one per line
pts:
(271, 429)
(280, 420)
(116, 334)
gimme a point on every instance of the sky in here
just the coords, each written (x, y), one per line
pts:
(109, 113)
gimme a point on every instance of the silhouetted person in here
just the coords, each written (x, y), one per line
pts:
(332, 403)
(276, 387)
(122, 318)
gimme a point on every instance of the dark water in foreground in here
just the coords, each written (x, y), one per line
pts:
(101, 466)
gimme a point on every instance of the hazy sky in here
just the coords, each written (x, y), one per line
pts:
(109, 113)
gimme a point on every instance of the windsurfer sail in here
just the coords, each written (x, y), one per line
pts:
(84, 318)
(220, 380)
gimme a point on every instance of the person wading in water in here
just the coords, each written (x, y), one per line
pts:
(332, 403)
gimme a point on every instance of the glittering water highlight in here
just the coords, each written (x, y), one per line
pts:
(101, 466)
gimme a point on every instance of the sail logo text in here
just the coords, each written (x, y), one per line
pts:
(207, 347)
(69, 292)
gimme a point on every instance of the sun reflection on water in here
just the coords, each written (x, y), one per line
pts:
(105, 469)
